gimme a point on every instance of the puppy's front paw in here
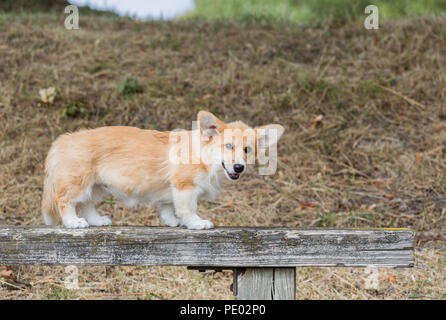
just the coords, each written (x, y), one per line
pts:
(199, 224)
(169, 221)
(99, 221)
(75, 223)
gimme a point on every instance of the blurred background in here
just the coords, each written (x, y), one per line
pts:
(300, 11)
(364, 113)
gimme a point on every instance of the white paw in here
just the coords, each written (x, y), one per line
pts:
(169, 221)
(99, 221)
(199, 224)
(76, 222)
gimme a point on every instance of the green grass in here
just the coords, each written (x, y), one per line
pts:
(130, 86)
(42, 6)
(57, 293)
(249, 10)
(32, 5)
(302, 11)
(74, 109)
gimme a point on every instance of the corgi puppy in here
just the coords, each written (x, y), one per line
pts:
(137, 166)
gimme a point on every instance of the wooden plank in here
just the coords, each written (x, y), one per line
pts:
(220, 247)
(267, 284)
(284, 284)
(255, 284)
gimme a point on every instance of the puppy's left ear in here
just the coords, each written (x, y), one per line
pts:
(268, 135)
(210, 125)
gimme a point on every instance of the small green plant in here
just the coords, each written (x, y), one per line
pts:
(101, 65)
(58, 294)
(74, 109)
(130, 86)
(414, 295)
(152, 296)
(110, 201)
(328, 220)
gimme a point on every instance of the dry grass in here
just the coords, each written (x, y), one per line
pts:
(376, 159)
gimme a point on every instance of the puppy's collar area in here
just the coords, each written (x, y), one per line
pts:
(232, 176)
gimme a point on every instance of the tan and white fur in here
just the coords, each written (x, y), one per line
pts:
(133, 166)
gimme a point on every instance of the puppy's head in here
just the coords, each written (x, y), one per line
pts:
(232, 146)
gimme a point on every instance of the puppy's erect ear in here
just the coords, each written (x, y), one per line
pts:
(210, 125)
(268, 135)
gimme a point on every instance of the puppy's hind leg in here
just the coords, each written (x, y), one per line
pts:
(88, 211)
(167, 215)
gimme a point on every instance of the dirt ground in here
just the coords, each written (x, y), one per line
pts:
(364, 146)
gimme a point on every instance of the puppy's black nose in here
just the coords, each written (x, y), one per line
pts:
(238, 168)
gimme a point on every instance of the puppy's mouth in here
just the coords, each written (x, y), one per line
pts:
(232, 176)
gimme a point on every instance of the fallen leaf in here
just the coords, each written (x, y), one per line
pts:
(47, 95)
(316, 120)
(284, 160)
(418, 158)
(127, 269)
(206, 97)
(389, 196)
(5, 273)
(305, 205)
(390, 277)
(229, 204)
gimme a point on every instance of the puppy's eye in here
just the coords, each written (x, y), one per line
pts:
(247, 149)
(228, 146)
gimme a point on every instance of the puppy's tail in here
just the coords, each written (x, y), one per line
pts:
(49, 208)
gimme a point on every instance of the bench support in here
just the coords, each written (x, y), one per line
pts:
(267, 284)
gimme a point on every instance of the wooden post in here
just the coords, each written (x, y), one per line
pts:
(267, 284)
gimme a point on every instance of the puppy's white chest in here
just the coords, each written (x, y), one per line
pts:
(209, 185)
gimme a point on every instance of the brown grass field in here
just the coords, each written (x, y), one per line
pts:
(364, 146)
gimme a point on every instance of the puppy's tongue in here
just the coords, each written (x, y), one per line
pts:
(234, 175)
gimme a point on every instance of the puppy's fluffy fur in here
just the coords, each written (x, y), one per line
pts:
(133, 165)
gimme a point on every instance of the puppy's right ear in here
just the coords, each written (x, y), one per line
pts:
(210, 125)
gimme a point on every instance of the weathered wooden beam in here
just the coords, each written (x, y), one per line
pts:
(220, 247)
(267, 284)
